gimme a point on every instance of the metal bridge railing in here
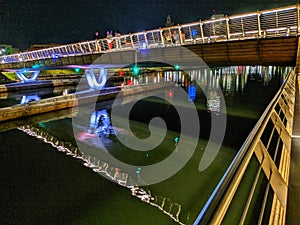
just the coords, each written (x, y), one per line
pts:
(270, 142)
(261, 24)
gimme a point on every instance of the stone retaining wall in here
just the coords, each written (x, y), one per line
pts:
(68, 101)
(3, 88)
(16, 86)
(37, 107)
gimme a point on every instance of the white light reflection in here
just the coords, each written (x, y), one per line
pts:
(113, 173)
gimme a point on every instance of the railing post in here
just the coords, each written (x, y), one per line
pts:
(201, 30)
(74, 51)
(162, 37)
(66, 49)
(179, 33)
(97, 46)
(131, 40)
(80, 46)
(227, 27)
(258, 24)
(89, 47)
(145, 36)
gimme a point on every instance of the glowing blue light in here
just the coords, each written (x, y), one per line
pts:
(29, 98)
(176, 139)
(192, 92)
(77, 70)
(41, 124)
(176, 67)
(136, 70)
(144, 45)
(194, 33)
(35, 66)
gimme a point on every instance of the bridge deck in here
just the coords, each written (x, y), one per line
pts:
(293, 215)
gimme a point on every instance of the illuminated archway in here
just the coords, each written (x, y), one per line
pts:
(24, 78)
(94, 82)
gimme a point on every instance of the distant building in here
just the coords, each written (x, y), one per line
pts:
(42, 46)
(217, 16)
(217, 27)
(6, 49)
(169, 22)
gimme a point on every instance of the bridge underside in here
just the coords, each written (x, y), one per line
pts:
(275, 51)
(272, 51)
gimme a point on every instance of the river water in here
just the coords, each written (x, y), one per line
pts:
(47, 179)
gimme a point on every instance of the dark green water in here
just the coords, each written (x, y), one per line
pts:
(40, 185)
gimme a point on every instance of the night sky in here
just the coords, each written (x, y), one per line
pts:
(27, 22)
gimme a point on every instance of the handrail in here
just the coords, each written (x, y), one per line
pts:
(278, 22)
(218, 203)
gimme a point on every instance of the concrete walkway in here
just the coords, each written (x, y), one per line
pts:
(293, 207)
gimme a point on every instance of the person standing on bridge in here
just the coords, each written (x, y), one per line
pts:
(168, 37)
(176, 37)
(96, 35)
(117, 39)
(109, 37)
(182, 36)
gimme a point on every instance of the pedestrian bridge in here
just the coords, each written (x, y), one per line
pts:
(268, 37)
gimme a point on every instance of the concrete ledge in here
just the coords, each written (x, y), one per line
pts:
(37, 107)
(3, 88)
(17, 86)
(71, 100)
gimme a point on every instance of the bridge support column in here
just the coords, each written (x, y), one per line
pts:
(24, 78)
(96, 83)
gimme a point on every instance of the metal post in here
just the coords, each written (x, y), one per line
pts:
(227, 28)
(145, 36)
(202, 33)
(258, 24)
(89, 47)
(179, 33)
(162, 37)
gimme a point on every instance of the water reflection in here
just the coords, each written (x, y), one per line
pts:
(214, 101)
(99, 127)
(29, 98)
(230, 80)
(100, 123)
(192, 92)
(165, 204)
(26, 96)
